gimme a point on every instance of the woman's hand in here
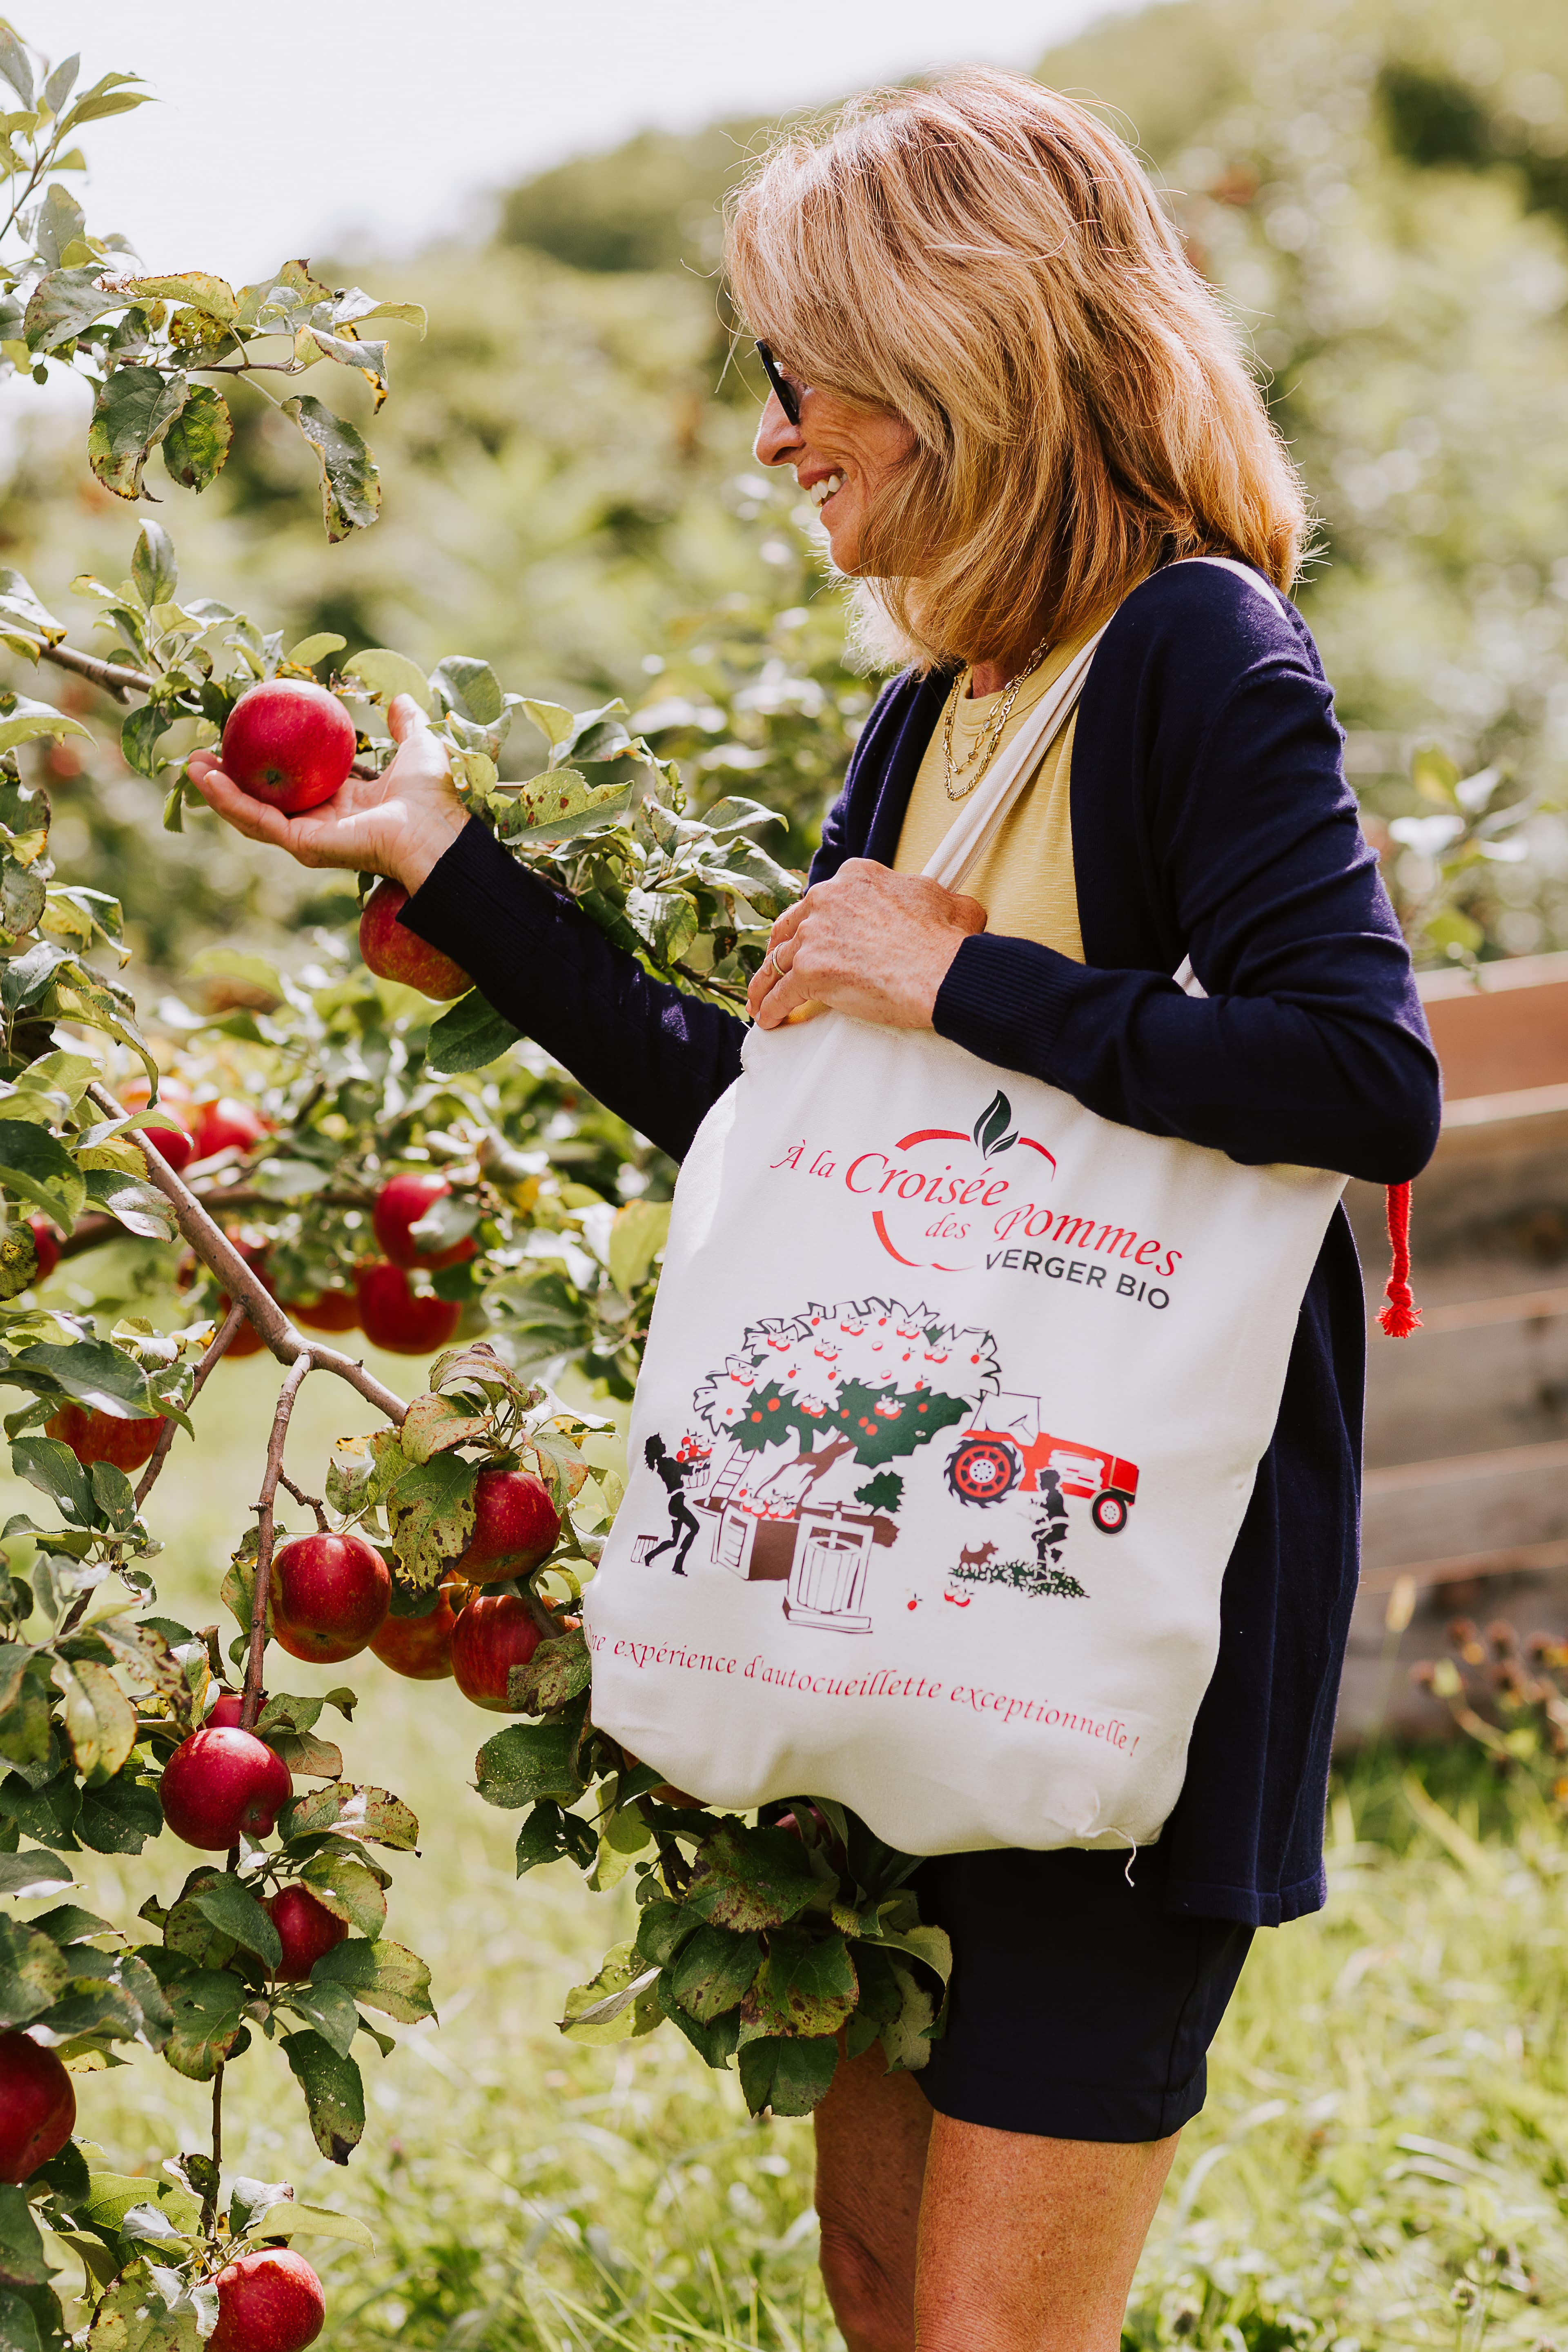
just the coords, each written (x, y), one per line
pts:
(871, 943)
(398, 823)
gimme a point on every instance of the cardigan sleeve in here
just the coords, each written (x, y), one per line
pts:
(1311, 1046)
(657, 1058)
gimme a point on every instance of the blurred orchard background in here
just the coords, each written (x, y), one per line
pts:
(1381, 192)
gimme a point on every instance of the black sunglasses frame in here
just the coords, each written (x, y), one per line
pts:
(783, 393)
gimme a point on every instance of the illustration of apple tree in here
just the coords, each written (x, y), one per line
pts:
(870, 1379)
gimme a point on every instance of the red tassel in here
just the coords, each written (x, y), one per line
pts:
(1401, 1316)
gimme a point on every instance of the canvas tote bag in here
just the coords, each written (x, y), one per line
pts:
(953, 1399)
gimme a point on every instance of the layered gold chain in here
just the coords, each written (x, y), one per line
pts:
(958, 779)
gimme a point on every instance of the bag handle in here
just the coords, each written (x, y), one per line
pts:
(983, 811)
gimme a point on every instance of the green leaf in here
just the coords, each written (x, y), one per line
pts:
(209, 2012)
(353, 1810)
(715, 1972)
(330, 2010)
(17, 66)
(559, 1669)
(63, 303)
(95, 1372)
(153, 568)
(135, 409)
(553, 720)
(35, 1872)
(112, 2196)
(470, 687)
(203, 292)
(294, 2220)
(140, 1207)
(20, 608)
(350, 487)
(469, 1036)
(385, 674)
(617, 2004)
(51, 1466)
(434, 1424)
(334, 2093)
(121, 1816)
(313, 649)
(663, 1929)
(430, 1512)
(806, 1986)
(22, 2261)
(906, 2037)
(135, 2316)
(752, 1878)
(639, 1233)
(526, 1761)
(348, 1890)
(790, 2077)
(38, 1168)
(100, 1722)
(384, 1976)
(34, 1972)
(239, 1916)
(557, 805)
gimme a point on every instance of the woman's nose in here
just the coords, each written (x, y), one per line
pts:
(778, 441)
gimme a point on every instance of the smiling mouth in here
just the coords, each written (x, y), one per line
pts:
(820, 492)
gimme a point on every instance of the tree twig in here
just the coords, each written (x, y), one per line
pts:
(210, 2203)
(220, 1257)
(114, 677)
(222, 1340)
(294, 1380)
(306, 1502)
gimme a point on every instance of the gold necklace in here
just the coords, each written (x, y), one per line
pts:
(984, 750)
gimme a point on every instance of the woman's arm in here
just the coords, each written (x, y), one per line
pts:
(657, 1058)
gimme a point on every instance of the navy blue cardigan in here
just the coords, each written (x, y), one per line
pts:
(1210, 818)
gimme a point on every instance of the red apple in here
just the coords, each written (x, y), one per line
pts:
(392, 1318)
(172, 1143)
(400, 1204)
(46, 1247)
(268, 2302)
(490, 1637)
(226, 1124)
(329, 1310)
(330, 1595)
(219, 1782)
(516, 1526)
(420, 1647)
(394, 952)
(101, 1437)
(37, 2107)
(225, 1711)
(306, 1929)
(288, 742)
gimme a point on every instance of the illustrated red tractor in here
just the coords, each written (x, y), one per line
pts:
(1010, 1450)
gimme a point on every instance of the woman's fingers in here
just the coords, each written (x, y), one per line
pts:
(256, 820)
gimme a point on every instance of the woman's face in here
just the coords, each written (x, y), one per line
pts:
(842, 456)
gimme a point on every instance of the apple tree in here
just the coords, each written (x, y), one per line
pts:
(362, 1144)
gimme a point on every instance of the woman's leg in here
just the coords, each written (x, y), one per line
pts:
(1028, 2245)
(873, 2131)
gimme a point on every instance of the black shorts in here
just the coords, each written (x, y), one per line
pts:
(1081, 2009)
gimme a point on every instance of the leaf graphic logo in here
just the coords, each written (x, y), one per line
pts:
(989, 1129)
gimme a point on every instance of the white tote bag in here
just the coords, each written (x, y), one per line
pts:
(952, 1402)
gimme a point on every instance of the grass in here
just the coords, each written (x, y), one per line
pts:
(1381, 2161)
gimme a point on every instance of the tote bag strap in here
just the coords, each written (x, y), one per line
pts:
(983, 811)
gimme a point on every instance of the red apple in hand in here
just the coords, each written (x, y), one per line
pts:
(491, 1637)
(226, 1124)
(102, 1437)
(420, 1647)
(288, 742)
(516, 1526)
(219, 1782)
(392, 1318)
(330, 1595)
(399, 1205)
(268, 2302)
(306, 1929)
(394, 952)
(37, 2107)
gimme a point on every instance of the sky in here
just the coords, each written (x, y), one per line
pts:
(381, 125)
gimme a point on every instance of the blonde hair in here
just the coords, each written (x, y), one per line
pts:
(987, 259)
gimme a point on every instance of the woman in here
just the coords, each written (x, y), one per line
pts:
(1021, 414)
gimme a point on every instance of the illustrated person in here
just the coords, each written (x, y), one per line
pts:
(683, 1524)
(1020, 413)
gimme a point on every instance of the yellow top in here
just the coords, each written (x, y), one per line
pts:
(1023, 876)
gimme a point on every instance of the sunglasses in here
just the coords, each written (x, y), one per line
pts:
(784, 391)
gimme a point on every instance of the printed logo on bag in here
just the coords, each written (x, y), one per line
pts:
(939, 1202)
(786, 1474)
